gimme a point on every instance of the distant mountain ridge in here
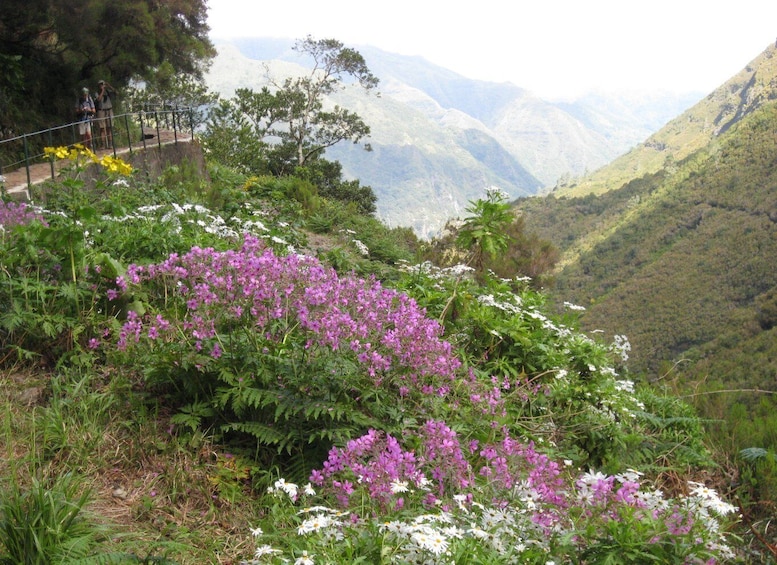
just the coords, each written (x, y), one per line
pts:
(693, 129)
(681, 251)
(440, 139)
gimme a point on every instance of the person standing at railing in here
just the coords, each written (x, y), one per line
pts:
(85, 112)
(104, 103)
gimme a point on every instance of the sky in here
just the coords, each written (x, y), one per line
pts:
(554, 48)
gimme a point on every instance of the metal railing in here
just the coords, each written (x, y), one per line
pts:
(130, 131)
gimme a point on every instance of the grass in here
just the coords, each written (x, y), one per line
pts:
(153, 493)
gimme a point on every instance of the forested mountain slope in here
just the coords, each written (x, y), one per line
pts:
(682, 259)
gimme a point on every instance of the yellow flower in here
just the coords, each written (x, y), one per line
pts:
(250, 182)
(77, 151)
(58, 152)
(116, 165)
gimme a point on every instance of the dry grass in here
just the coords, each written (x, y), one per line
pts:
(151, 486)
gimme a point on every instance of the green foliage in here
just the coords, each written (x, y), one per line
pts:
(483, 232)
(54, 297)
(328, 177)
(672, 435)
(79, 406)
(88, 42)
(314, 405)
(514, 251)
(766, 309)
(43, 523)
(557, 382)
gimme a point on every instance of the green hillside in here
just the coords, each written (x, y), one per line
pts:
(188, 345)
(680, 257)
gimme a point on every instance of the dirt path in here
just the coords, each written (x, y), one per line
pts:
(17, 183)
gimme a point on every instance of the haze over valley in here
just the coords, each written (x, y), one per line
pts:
(440, 139)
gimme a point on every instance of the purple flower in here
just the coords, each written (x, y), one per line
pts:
(18, 214)
(397, 346)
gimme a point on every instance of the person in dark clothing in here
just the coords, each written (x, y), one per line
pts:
(84, 113)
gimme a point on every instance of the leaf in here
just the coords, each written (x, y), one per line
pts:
(752, 454)
(192, 415)
(110, 267)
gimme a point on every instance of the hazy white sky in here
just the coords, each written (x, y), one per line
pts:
(555, 48)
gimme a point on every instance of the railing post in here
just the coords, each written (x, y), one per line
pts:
(112, 125)
(158, 138)
(51, 157)
(129, 137)
(142, 131)
(27, 161)
(175, 129)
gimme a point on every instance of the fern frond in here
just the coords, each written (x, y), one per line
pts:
(106, 559)
(264, 434)
(335, 435)
(753, 454)
(191, 415)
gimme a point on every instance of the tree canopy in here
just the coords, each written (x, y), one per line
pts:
(51, 48)
(286, 126)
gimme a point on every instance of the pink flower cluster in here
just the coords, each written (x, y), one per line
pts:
(378, 462)
(509, 462)
(442, 453)
(384, 329)
(375, 460)
(374, 474)
(17, 214)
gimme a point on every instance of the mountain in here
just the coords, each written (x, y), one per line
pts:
(439, 139)
(682, 251)
(693, 129)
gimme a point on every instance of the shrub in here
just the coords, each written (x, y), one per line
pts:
(282, 348)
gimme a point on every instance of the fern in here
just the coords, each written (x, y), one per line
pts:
(333, 435)
(192, 415)
(264, 434)
(753, 454)
(237, 399)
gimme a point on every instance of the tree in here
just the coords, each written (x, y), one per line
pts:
(58, 46)
(310, 128)
(285, 128)
(292, 113)
(231, 139)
